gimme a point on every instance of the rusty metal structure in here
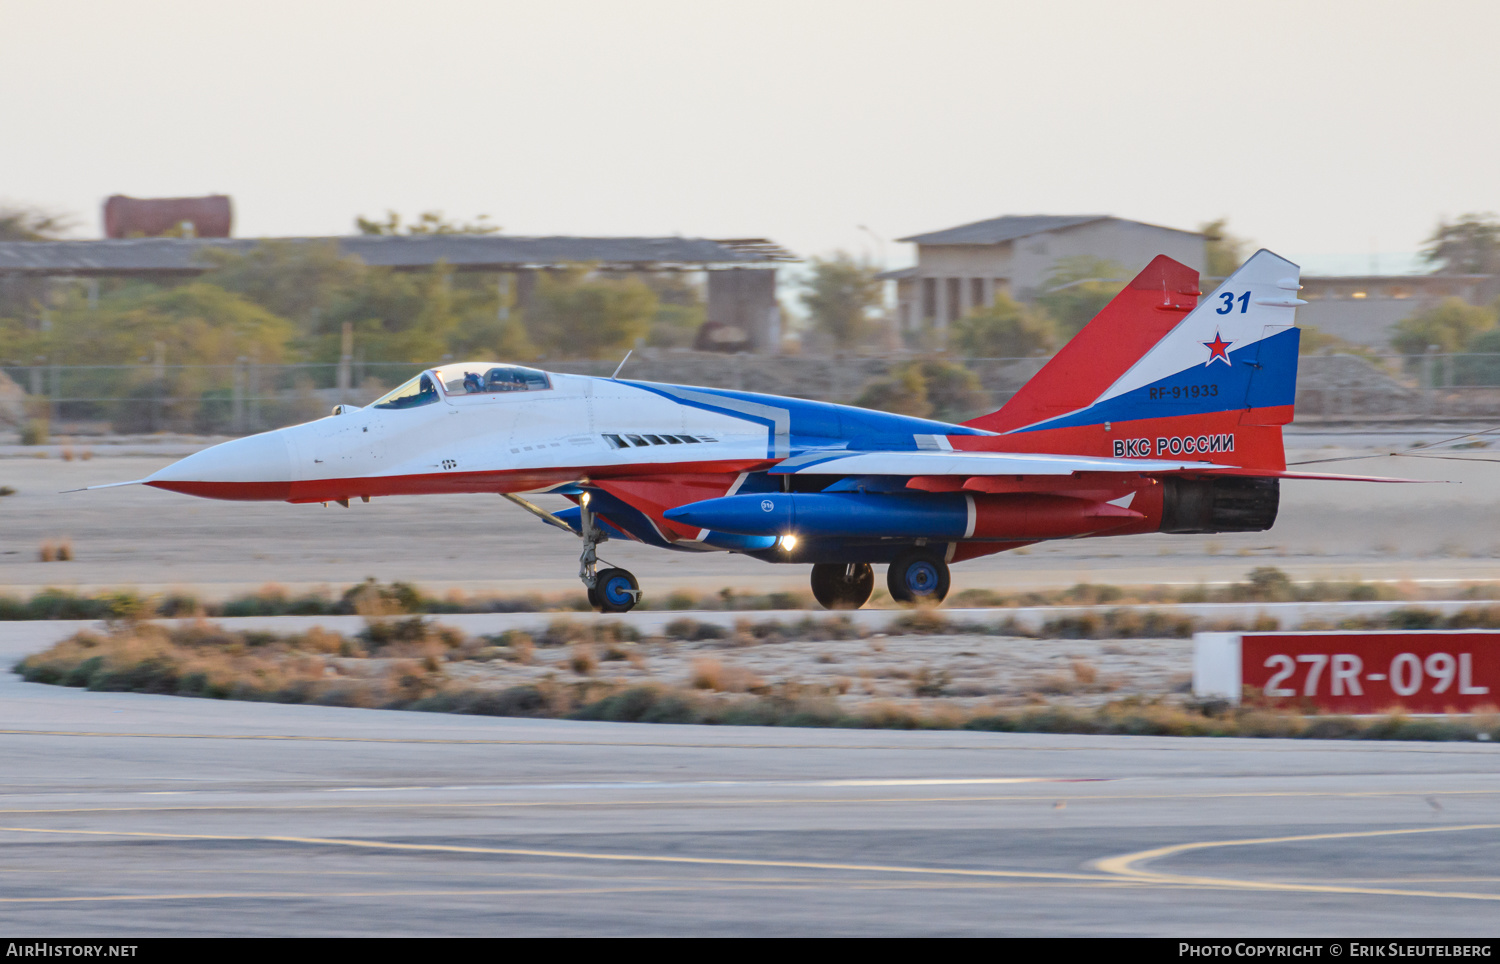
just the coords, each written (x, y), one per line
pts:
(200, 217)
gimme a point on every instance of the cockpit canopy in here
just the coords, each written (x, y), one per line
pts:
(469, 378)
(484, 378)
(418, 391)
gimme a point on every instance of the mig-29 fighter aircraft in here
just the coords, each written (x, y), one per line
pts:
(1161, 415)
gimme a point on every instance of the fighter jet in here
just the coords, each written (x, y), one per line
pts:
(1163, 414)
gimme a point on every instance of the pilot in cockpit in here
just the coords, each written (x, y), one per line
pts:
(473, 385)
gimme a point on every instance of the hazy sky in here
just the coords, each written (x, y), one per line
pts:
(1317, 126)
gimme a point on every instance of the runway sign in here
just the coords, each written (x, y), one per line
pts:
(1438, 671)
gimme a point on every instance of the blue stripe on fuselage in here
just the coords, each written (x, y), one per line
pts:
(1263, 374)
(817, 424)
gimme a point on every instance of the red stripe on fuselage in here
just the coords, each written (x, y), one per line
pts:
(1256, 445)
(516, 480)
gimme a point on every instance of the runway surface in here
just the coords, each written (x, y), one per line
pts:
(128, 814)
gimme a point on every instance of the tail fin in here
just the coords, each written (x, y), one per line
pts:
(1143, 380)
(1137, 318)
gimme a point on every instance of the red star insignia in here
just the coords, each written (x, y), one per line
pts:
(1218, 348)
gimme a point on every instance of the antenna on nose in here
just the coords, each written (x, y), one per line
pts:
(621, 365)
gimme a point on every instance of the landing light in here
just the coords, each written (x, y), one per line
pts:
(789, 542)
(584, 498)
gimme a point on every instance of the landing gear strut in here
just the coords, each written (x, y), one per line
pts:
(919, 576)
(611, 590)
(841, 585)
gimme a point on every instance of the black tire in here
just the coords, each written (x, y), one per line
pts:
(919, 576)
(615, 591)
(842, 585)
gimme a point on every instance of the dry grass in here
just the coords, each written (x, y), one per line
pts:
(56, 550)
(391, 600)
(402, 664)
(711, 674)
(582, 659)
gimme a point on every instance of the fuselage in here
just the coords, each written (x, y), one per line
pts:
(553, 429)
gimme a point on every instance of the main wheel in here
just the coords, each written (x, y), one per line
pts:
(919, 576)
(615, 591)
(842, 585)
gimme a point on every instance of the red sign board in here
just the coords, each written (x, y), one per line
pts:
(1420, 672)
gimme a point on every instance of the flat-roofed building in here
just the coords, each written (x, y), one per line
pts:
(1365, 309)
(741, 272)
(961, 269)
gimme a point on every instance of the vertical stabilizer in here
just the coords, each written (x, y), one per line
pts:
(1148, 379)
(1134, 321)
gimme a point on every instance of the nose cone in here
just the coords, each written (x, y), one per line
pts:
(253, 469)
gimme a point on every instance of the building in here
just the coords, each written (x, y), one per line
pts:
(1365, 309)
(960, 269)
(741, 272)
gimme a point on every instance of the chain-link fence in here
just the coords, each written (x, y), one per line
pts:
(249, 397)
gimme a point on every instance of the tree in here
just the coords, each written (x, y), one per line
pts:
(840, 295)
(1078, 289)
(953, 390)
(1225, 251)
(1470, 245)
(1449, 325)
(19, 296)
(195, 324)
(1481, 365)
(21, 223)
(428, 222)
(927, 388)
(574, 314)
(1004, 330)
(296, 280)
(902, 392)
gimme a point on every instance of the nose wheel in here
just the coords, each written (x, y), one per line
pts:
(611, 590)
(919, 576)
(841, 585)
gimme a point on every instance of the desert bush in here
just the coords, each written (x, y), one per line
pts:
(203, 659)
(582, 659)
(711, 674)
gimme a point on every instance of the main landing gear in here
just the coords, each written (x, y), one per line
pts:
(919, 576)
(610, 590)
(841, 585)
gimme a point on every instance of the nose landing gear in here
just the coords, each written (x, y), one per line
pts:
(612, 590)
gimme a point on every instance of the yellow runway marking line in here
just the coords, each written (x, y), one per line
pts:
(1125, 865)
(1044, 795)
(307, 895)
(1214, 745)
(585, 855)
(696, 887)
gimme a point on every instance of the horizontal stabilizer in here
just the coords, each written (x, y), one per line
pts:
(1318, 476)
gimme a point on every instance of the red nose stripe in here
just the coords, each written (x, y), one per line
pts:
(233, 491)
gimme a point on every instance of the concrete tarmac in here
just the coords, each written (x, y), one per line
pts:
(126, 814)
